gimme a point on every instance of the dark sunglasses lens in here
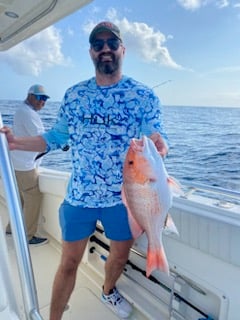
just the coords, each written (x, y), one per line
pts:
(39, 98)
(113, 44)
(98, 45)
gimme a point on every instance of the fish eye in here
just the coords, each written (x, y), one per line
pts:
(130, 162)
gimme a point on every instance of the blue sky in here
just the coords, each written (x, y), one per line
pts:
(190, 47)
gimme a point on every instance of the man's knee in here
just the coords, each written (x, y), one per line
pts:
(69, 265)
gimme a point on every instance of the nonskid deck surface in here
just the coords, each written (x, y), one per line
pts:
(85, 302)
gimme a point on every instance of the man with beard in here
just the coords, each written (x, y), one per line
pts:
(98, 118)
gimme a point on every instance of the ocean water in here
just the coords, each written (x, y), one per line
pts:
(204, 143)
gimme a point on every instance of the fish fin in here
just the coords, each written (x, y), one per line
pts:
(175, 186)
(170, 227)
(135, 228)
(124, 199)
(156, 259)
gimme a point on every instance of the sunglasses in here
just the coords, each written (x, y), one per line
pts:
(98, 44)
(40, 97)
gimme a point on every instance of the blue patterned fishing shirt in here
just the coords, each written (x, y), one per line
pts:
(98, 123)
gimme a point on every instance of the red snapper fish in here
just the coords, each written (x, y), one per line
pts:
(147, 193)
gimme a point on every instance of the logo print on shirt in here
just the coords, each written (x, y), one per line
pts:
(98, 120)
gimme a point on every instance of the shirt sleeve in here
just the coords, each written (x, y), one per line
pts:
(153, 117)
(58, 136)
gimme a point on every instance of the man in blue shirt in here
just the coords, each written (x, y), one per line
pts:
(98, 118)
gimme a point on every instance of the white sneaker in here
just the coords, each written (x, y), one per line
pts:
(117, 303)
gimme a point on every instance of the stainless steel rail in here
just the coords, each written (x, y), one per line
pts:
(217, 190)
(18, 231)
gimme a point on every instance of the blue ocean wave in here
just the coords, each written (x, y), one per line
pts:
(204, 143)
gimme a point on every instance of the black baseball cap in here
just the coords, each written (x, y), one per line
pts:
(105, 26)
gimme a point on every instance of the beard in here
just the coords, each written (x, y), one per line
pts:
(107, 67)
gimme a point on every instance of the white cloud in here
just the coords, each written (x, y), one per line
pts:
(222, 3)
(191, 4)
(196, 4)
(142, 39)
(35, 54)
(147, 43)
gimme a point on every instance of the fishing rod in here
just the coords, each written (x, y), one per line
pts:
(161, 84)
(40, 155)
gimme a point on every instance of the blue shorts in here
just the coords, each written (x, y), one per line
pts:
(78, 223)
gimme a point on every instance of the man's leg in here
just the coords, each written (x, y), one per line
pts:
(8, 227)
(118, 256)
(32, 197)
(119, 251)
(65, 278)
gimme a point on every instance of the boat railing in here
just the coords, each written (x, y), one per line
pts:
(194, 187)
(24, 262)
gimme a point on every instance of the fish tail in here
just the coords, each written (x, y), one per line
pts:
(156, 259)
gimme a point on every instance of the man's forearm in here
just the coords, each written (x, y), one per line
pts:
(36, 143)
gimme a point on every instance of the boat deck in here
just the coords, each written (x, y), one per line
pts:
(85, 301)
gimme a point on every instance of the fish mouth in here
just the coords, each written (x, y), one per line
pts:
(136, 145)
(139, 145)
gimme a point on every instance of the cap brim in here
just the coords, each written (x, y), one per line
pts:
(102, 29)
(39, 94)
